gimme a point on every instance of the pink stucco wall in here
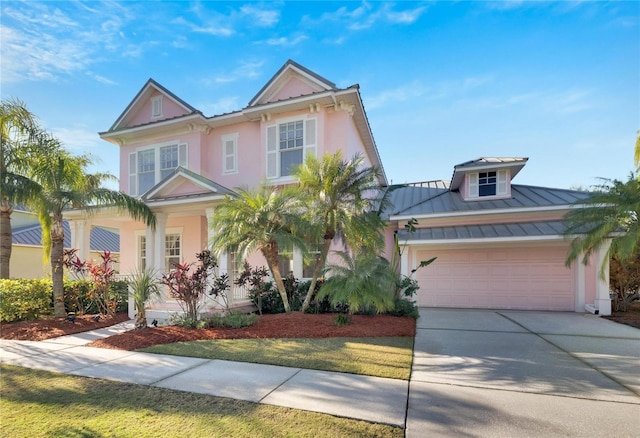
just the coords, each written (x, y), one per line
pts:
(293, 88)
(169, 110)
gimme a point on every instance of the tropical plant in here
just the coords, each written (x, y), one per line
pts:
(143, 287)
(101, 275)
(624, 281)
(341, 197)
(362, 281)
(612, 211)
(65, 184)
(264, 220)
(189, 287)
(18, 128)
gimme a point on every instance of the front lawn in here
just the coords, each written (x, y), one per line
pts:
(381, 357)
(43, 404)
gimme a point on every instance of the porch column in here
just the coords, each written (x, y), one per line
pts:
(159, 242)
(81, 237)
(222, 258)
(603, 301)
(580, 285)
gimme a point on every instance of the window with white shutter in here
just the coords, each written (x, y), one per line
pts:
(473, 185)
(502, 182)
(288, 143)
(156, 106)
(147, 167)
(230, 153)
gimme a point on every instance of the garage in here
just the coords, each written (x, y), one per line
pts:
(507, 277)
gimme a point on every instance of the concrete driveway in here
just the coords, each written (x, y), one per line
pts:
(508, 373)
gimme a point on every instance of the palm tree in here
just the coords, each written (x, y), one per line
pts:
(636, 155)
(17, 128)
(264, 220)
(341, 198)
(143, 286)
(66, 184)
(361, 281)
(611, 212)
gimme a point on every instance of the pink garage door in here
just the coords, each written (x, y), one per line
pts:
(533, 278)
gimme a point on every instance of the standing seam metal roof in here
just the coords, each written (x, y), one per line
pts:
(521, 229)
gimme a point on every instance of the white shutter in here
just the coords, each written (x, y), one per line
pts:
(132, 174)
(502, 183)
(229, 156)
(182, 155)
(310, 137)
(272, 152)
(473, 185)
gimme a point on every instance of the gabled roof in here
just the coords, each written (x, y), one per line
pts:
(145, 92)
(101, 239)
(320, 83)
(439, 201)
(163, 189)
(486, 163)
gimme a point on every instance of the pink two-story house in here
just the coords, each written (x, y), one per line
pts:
(182, 163)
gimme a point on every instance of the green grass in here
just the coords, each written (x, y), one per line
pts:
(44, 404)
(381, 357)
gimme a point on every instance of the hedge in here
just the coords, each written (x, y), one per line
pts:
(32, 299)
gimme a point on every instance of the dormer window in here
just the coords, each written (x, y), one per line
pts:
(487, 184)
(156, 106)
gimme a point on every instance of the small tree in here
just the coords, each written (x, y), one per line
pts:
(101, 274)
(188, 285)
(143, 287)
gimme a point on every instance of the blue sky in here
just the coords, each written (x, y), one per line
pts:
(442, 82)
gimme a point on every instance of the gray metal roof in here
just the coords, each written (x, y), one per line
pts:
(101, 239)
(491, 160)
(522, 229)
(439, 200)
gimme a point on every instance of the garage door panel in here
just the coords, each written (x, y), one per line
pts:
(513, 278)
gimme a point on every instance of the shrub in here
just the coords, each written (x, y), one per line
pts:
(232, 320)
(342, 319)
(624, 281)
(25, 299)
(404, 307)
(79, 296)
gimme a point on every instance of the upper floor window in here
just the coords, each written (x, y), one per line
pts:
(287, 144)
(230, 153)
(485, 184)
(147, 167)
(156, 106)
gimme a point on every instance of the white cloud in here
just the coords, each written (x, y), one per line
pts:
(261, 17)
(286, 41)
(78, 139)
(221, 106)
(368, 15)
(394, 95)
(101, 79)
(246, 70)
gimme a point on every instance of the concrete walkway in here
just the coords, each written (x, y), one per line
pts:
(475, 373)
(372, 399)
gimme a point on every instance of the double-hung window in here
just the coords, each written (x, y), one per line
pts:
(288, 142)
(172, 251)
(149, 166)
(486, 184)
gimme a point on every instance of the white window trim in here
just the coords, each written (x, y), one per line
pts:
(133, 176)
(502, 185)
(226, 138)
(143, 233)
(306, 148)
(156, 103)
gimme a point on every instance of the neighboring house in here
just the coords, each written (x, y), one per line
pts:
(26, 254)
(498, 244)
(182, 163)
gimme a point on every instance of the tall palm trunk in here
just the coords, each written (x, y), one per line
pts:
(6, 238)
(57, 266)
(320, 262)
(271, 255)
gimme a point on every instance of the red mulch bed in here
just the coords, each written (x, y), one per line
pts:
(630, 317)
(293, 325)
(47, 328)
